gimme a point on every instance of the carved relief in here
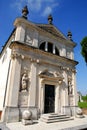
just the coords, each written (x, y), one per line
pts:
(29, 37)
(70, 88)
(24, 80)
(24, 87)
(23, 99)
(57, 74)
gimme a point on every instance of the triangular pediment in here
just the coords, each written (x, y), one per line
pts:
(52, 30)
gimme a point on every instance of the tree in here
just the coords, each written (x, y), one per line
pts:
(84, 48)
(84, 98)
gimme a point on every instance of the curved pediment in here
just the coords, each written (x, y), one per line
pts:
(48, 74)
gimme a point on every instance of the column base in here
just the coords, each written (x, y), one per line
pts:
(69, 110)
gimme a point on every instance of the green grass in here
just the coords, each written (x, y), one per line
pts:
(82, 104)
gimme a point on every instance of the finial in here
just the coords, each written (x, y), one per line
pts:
(69, 35)
(25, 12)
(50, 19)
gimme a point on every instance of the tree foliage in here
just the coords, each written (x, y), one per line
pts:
(84, 48)
(84, 98)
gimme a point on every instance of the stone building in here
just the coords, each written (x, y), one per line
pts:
(37, 71)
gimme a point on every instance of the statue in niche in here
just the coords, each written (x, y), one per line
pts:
(70, 89)
(24, 82)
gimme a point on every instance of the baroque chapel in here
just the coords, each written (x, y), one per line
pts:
(37, 71)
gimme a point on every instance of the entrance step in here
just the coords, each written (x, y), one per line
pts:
(53, 117)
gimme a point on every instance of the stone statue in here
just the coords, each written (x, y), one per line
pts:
(70, 88)
(24, 82)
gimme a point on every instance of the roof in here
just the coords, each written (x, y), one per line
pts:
(7, 40)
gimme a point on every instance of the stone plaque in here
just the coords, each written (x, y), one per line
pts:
(23, 99)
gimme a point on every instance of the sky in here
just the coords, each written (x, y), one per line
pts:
(67, 15)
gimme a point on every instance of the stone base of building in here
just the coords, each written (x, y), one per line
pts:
(10, 114)
(27, 122)
(69, 110)
(34, 111)
(14, 114)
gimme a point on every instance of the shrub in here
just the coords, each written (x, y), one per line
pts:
(82, 104)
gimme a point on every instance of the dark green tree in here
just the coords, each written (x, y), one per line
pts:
(84, 48)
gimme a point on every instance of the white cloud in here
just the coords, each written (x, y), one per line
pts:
(43, 7)
(34, 5)
(47, 11)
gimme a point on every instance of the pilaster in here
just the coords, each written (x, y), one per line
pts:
(10, 111)
(13, 83)
(20, 33)
(33, 85)
(57, 99)
(74, 89)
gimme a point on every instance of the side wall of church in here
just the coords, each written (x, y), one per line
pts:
(4, 72)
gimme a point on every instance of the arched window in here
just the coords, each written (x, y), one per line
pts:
(49, 47)
(42, 46)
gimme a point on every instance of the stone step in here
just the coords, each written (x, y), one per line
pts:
(51, 118)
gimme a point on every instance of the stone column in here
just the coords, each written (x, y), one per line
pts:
(53, 48)
(46, 46)
(11, 112)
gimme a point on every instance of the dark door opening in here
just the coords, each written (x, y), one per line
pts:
(49, 102)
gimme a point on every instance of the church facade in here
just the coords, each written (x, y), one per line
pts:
(37, 71)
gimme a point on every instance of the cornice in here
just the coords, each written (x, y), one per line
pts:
(23, 46)
(20, 46)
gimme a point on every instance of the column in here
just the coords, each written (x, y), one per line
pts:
(53, 48)
(46, 46)
(32, 101)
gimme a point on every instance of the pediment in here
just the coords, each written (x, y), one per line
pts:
(48, 74)
(52, 30)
